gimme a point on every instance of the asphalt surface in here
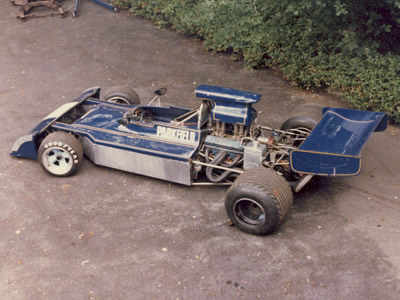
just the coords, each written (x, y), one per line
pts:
(107, 234)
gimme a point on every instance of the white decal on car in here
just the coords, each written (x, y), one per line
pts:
(176, 134)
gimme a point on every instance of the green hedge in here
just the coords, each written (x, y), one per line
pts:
(349, 45)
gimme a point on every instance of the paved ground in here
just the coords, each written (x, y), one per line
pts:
(105, 234)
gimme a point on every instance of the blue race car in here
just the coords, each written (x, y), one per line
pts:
(218, 143)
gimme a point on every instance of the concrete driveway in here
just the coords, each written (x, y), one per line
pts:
(106, 234)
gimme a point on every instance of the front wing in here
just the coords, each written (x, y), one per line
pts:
(26, 146)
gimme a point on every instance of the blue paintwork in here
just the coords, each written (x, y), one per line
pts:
(226, 95)
(27, 146)
(332, 148)
(104, 4)
(145, 142)
(229, 105)
(334, 145)
(324, 164)
(101, 125)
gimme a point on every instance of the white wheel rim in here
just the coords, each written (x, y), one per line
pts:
(57, 161)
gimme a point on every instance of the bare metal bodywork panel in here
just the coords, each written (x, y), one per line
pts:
(135, 162)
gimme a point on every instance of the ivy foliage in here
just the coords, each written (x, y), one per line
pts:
(349, 45)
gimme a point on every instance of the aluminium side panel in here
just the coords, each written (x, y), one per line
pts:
(139, 163)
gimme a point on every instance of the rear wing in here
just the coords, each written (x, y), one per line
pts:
(333, 148)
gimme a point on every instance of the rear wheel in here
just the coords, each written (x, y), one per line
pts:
(122, 95)
(298, 128)
(258, 201)
(60, 154)
(307, 116)
(301, 123)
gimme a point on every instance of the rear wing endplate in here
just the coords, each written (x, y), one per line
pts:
(333, 148)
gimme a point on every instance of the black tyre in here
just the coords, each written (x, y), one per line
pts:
(301, 123)
(306, 116)
(258, 201)
(122, 95)
(60, 154)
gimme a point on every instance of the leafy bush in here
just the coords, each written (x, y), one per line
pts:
(351, 46)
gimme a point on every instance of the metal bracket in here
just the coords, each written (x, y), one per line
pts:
(99, 2)
(27, 5)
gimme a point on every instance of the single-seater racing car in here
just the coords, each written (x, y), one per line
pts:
(219, 142)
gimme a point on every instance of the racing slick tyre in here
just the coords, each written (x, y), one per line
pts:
(306, 116)
(60, 154)
(258, 201)
(302, 122)
(122, 95)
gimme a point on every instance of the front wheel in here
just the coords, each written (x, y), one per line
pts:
(122, 95)
(60, 154)
(258, 201)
